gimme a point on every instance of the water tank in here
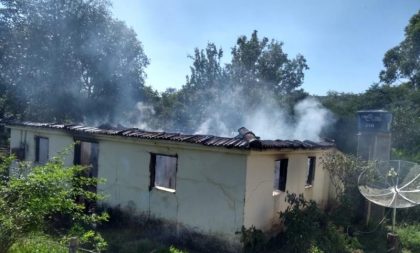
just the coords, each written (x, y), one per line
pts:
(374, 121)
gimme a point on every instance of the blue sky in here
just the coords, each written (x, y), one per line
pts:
(343, 41)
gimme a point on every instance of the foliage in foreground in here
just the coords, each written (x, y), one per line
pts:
(49, 198)
(39, 244)
(308, 228)
(344, 171)
(46, 244)
(410, 237)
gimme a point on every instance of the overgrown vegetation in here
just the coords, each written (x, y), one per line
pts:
(344, 171)
(410, 237)
(47, 199)
(309, 229)
(38, 243)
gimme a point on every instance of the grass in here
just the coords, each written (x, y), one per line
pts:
(410, 237)
(131, 240)
(38, 244)
(47, 244)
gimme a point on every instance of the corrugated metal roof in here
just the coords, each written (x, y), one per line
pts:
(245, 140)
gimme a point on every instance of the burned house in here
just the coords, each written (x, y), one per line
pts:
(214, 185)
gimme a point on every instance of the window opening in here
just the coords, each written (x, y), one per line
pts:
(311, 171)
(86, 154)
(280, 177)
(41, 149)
(163, 172)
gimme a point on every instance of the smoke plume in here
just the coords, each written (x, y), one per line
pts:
(271, 122)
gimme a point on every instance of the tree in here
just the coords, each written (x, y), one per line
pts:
(259, 74)
(403, 61)
(261, 68)
(69, 61)
(41, 198)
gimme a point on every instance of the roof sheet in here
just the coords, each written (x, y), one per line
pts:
(245, 140)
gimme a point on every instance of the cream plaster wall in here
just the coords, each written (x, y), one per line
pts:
(210, 185)
(210, 182)
(262, 203)
(58, 141)
(320, 190)
(217, 190)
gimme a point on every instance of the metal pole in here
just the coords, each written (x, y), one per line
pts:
(394, 214)
(73, 245)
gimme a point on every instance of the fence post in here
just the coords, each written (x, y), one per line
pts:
(73, 245)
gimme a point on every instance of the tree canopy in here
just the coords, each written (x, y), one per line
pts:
(68, 61)
(218, 97)
(72, 61)
(403, 61)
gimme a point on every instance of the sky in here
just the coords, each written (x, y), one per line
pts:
(343, 41)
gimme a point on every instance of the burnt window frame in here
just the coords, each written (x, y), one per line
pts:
(152, 170)
(37, 148)
(311, 168)
(78, 152)
(281, 182)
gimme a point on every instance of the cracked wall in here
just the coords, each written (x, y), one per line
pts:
(210, 185)
(262, 203)
(210, 182)
(217, 190)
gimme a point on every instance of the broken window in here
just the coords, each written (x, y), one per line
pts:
(86, 154)
(280, 174)
(311, 171)
(163, 172)
(41, 149)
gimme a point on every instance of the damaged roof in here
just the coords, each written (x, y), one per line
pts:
(244, 140)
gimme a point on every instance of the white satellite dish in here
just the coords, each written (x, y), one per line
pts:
(394, 184)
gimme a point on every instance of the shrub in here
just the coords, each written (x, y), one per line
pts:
(252, 239)
(410, 237)
(344, 171)
(308, 229)
(303, 222)
(37, 243)
(33, 197)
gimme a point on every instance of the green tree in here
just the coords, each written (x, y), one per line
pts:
(39, 199)
(265, 63)
(69, 60)
(260, 73)
(403, 61)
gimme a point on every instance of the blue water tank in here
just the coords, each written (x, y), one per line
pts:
(374, 121)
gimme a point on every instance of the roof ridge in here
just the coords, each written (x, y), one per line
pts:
(246, 139)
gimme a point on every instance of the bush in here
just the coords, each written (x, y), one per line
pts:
(344, 171)
(33, 198)
(308, 229)
(410, 237)
(37, 243)
(303, 222)
(252, 239)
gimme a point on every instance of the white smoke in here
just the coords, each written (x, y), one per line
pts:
(271, 122)
(312, 118)
(214, 125)
(143, 111)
